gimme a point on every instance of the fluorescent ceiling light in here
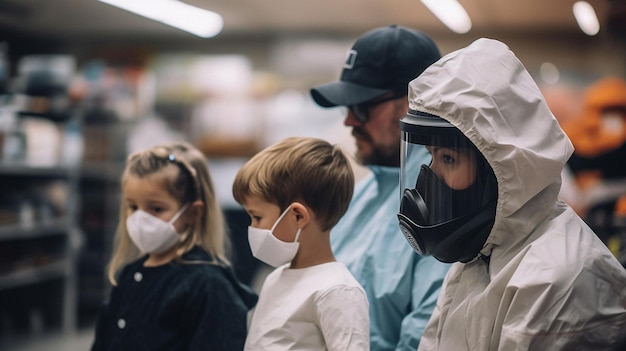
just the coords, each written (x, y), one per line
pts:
(178, 14)
(586, 18)
(450, 13)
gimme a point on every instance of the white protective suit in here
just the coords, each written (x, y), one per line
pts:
(549, 283)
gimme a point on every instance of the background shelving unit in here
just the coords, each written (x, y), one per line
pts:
(40, 158)
(98, 187)
(99, 191)
(39, 238)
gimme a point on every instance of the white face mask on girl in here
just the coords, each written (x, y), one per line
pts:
(268, 248)
(151, 234)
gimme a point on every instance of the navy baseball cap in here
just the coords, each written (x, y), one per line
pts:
(382, 60)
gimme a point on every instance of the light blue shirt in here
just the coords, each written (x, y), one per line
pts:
(401, 286)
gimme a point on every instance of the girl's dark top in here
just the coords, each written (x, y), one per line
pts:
(176, 306)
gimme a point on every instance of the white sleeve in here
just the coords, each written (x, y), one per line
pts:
(343, 314)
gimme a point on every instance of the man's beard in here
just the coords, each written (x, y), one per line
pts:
(380, 155)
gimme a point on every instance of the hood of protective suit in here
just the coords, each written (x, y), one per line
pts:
(493, 112)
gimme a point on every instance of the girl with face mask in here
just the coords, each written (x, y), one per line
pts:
(173, 287)
(295, 192)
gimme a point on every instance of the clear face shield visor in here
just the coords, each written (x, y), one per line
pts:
(444, 183)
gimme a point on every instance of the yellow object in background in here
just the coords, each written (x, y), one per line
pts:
(614, 243)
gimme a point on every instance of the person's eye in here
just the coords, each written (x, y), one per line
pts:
(156, 209)
(361, 111)
(132, 208)
(254, 220)
(447, 159)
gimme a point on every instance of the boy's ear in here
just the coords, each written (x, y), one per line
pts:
(303, 216)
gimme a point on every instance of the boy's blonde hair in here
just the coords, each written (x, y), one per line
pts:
(187, 182)
(308, 170)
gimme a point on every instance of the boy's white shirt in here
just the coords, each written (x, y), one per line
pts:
(321, 307)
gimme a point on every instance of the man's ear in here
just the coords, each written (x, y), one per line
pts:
(303, 216)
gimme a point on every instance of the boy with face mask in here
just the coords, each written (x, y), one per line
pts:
(295, 192)
(528, 273)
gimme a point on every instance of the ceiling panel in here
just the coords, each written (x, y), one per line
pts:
(79, 18)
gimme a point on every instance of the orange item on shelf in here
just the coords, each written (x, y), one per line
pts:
(602, 125)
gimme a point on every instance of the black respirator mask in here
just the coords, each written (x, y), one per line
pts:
(448, 200)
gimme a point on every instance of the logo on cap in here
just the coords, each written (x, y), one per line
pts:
(350, 60)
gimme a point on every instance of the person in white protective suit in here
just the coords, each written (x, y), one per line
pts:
(529, 274)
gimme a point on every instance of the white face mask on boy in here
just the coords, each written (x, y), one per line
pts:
(268, 248)
(151, 234)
